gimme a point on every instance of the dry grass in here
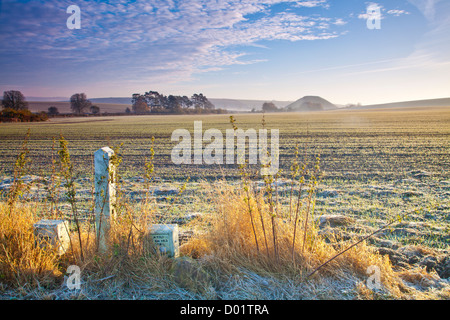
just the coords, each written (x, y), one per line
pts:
(21, 261)
(230, 244)
(227, 262)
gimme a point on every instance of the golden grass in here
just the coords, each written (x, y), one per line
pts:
(226, 249)
(231, 239)
(21, 260)
(230, 245)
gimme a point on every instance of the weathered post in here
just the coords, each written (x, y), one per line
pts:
(105, 195)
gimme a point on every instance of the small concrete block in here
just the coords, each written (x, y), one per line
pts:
(54, 233)
(165, 237)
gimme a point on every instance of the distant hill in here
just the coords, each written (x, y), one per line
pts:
(112, 100)
(311, 103)
(444, 102)
(45, 99)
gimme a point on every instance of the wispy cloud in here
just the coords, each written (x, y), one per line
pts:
(313, 3)
(165, 36)
(424, 62)
(376, 6)
(340, 22)
(397, 13)
(427, 7)
(435, 44)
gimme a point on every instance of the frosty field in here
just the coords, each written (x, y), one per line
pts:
(375, 166)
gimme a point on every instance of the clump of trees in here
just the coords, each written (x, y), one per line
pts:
(270, 107)
(15, 109)
(94, 109)
(79, 103)
(154, 102)
(52, 111)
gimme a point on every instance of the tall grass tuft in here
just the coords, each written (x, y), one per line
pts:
(22, 262)
(20, 169)
(229, 245)
(67, 175)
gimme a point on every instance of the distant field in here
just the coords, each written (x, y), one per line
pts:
(362, 144)
(64, 107)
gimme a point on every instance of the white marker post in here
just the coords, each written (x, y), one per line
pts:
(53, 233)
(105, 195)
(165, 237)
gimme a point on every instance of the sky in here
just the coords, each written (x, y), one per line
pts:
(238, 49)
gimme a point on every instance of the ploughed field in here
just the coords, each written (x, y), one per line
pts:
(360, 145)
(375, 166)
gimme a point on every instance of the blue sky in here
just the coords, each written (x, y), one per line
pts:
(248, 49)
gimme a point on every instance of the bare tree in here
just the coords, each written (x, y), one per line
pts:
(14, 100)
(79, 103)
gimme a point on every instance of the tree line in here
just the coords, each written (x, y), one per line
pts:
(268, 107)
(154, 102)
(15, 106)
